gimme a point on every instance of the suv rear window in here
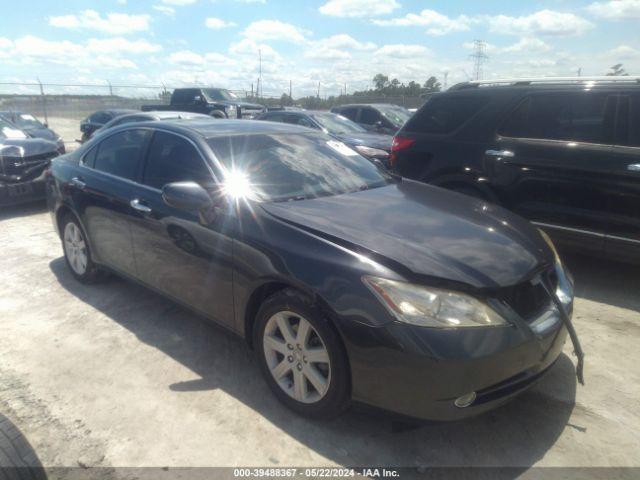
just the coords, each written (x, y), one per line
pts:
(442, 115)
(574, 117)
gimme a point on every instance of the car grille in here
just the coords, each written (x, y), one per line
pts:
(248, 112)
(18, 165)
(530, 299)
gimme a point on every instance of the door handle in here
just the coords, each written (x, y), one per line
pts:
(140, 207)
(78, 183)
(634, 167)
(500, 153)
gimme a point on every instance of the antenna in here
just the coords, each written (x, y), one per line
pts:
(479, 56)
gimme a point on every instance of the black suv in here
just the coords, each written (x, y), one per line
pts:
(563, 153)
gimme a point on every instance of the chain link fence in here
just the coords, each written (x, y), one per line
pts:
(64, 106)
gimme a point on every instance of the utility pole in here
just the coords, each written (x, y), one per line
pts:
(446, 76)
(260, 70)
(44, 103)
(580, 72)
(318, 95)
(290, 91)
(110, 88)
(479, 57)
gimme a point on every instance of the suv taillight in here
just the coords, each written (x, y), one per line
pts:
(398, 144)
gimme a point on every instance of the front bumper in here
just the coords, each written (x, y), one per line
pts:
(22, 192)
(419, 372)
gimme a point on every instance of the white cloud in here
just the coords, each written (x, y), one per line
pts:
(343, 40)
(95, 53)
(528, 45)
(358, 8)
(122, 45)
(402, 51)
(616, 9)
(543, 22)
(165, 9)
(328, 54)
(178, 3)
(249, 48)
(436, 23)
(217, 23)
(265, 30)
(623, 52)
(186, 58)
(112, 23)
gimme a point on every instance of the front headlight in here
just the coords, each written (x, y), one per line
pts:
(432, 307)
(564, 290)
(371, 152)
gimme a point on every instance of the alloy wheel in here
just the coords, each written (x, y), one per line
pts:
(75, 248)
(297, 357)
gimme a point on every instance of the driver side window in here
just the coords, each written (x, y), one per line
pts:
(173, 159)
(369, 116)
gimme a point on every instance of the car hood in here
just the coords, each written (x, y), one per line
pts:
(32, 146)
(430, 231)
(44, 133)
(374, 140)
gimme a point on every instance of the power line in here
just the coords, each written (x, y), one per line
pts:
(479, 57)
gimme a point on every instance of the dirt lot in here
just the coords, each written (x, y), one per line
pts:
(114, 375)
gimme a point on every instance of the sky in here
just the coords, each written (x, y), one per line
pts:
(337, 43)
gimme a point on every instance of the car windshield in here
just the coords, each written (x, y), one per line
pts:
(219, 94)
(280, 167)
(25, 120)
(9, 130)
(397, 115)
(337, 124)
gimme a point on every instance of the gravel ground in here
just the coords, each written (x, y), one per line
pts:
(114, 375)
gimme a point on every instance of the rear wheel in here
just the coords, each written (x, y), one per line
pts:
(77, 253)
(302, 358)
(218, 114)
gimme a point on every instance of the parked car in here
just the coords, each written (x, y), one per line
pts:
(561, 153)
(378, 117)
(374, 146)
(98, 119)
(215, 102)
(33, 127)
(350, 284)
(23, 160)
(151, 116)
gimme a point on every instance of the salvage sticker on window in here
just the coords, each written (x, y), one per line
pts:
(341, 148)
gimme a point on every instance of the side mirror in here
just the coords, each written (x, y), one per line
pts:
(198, 99)
(187, 196)
(46, 125)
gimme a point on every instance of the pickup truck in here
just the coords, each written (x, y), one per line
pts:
(216, 102)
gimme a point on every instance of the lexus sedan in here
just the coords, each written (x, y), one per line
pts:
(350, 285)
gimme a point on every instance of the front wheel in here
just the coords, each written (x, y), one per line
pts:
(301, 356)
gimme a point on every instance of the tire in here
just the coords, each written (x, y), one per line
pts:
(217, 114)
(77, 253)
(322, 343)
(17, 458)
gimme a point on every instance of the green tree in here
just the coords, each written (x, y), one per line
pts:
(380, 81)
(617, 71)
(432, 85)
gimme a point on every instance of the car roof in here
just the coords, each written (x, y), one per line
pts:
(214, 127)
(374, 105)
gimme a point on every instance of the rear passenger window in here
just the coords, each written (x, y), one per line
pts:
(630, 121)
(442, 115)
(90, 157)
(350, 113)
(369, 116)
(119, 154)
(581, 118)
(173, 159)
